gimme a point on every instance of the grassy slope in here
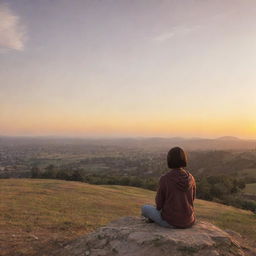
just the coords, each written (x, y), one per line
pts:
(56, 211)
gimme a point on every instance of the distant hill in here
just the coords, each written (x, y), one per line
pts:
(38, 216)
(228, 138)
(148, 143)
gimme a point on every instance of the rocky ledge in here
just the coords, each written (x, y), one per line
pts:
(131, 236)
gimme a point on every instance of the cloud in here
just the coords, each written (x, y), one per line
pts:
(12, 32)
(164, 37)
(176, 31)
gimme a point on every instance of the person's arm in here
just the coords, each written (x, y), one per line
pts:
(194, 191)
(160, 195)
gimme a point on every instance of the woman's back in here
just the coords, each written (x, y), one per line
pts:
(175, 198)
(175, 194)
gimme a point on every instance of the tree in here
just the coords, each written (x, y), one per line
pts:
(35, 172)
(50, 172)
(76, 176)
(62, 175)
(219, 190)
(204, 189)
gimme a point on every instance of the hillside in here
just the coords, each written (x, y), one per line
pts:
(39, 215)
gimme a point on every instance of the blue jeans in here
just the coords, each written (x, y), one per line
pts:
(149, 211)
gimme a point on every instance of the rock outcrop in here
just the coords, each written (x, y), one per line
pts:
(130, 236)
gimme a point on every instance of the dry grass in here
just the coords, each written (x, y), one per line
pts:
(38, 215)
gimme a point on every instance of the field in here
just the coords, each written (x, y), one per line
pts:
(250, 189)
(247, 173)
(39, 215)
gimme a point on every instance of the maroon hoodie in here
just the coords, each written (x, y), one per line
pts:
(175, 196)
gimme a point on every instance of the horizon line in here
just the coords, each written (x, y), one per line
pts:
(227, 137)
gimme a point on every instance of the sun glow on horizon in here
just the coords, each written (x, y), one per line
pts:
(121, 126)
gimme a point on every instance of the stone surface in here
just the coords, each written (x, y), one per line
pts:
(131, 236)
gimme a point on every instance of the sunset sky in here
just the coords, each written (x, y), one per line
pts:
(128, 68)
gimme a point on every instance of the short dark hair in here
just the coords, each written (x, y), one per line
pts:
(176, 158)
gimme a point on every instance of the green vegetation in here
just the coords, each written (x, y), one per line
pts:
(56, 211)
(52, 172)
(226, 190)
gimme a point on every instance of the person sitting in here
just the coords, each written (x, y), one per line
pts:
(175, 194)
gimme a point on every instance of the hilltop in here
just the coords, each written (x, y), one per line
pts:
(132, 236)
(38, 216)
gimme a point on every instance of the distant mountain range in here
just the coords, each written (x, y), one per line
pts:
(228, 138)
(151, 143)
(222, 143)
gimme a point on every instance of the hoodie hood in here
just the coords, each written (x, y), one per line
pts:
(182, 179)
